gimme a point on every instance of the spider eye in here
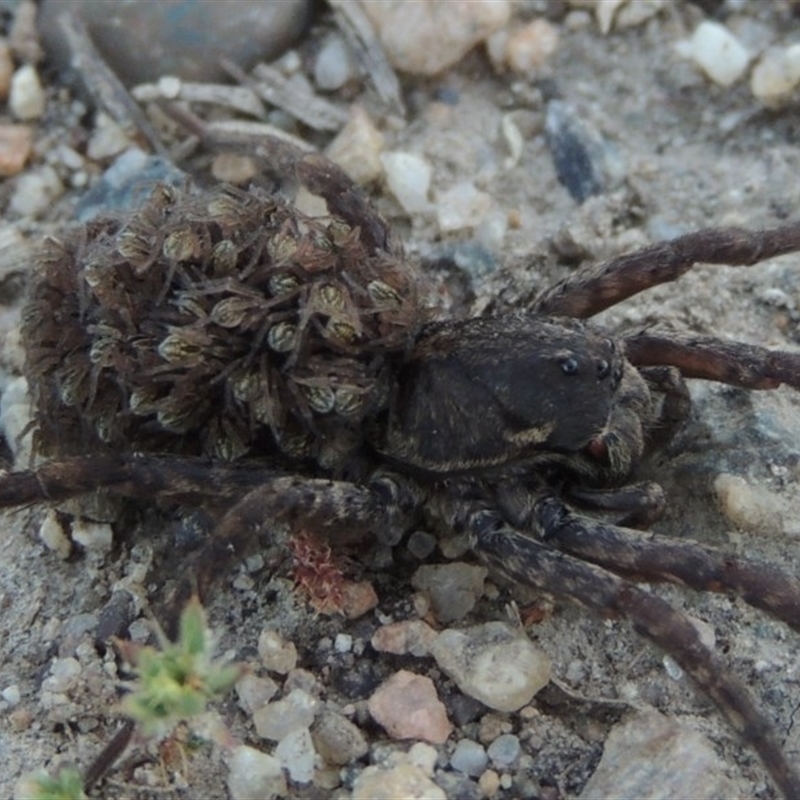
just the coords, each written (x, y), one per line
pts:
(569, 366)
(617, 375)
(603, 369)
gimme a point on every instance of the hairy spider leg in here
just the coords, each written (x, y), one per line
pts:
(651, 557)
(596, 287)
(709, 358)
(517, 555)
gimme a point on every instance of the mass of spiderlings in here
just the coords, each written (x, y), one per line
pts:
(227, 320)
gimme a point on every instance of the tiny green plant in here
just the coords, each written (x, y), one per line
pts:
(174, 682)
(67, 785)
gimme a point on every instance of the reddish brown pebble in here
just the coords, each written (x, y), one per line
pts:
(409, 636)
(15, 147)
(20, 719)
(358, 598)
(408, 707)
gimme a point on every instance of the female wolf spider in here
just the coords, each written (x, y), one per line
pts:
(221, 346)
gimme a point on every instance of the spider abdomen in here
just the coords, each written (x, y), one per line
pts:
(218, 323)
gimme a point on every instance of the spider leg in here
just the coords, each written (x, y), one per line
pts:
(142, 476)
(599, 286)
(511, 552)
(344, 198)
(712, 359)
(659, 558)
(334, 510)
(675, 405)
(643, 502)
(321, 177)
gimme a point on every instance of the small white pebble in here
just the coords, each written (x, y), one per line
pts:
(297, 754)
(776, 75)
(718, 53)
(672, 668)
(36, 191)
(243, 583)
(275, 720)
(748, 508)
(140, 630)
(254, 563)
(94, 536)
(170, 87)
(343, 643)
(401, 780)
(107, 140)
(528, 48)
(462, 206)
(69, 157)
(277, 654)
(11, 694)
(357, 147)
(63, 676)
(27, 98)
(334, 66)
(492, 663)
(424, 756)
(254, 774)
(409, 179)
(424, 38)
(52, 534)
(79, 179)
(705, 631)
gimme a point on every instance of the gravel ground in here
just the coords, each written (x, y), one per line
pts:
(680, 152)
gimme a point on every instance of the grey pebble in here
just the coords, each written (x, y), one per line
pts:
(504, 750)
(493, 663)
(421, 544)
(73, 630)
(584, 160)
(296, 754)
(334, 65)
(275, 720)
(255, 774)
(640, 757)
(127, 183)
(470, 758)
(115, 616)
(338, 740)
(453, 588)
(142, 40)
(458, 787)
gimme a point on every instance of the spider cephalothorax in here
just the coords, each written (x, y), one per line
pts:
(546, 391)
(225, 324)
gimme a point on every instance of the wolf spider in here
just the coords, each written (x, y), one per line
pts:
(221, 346)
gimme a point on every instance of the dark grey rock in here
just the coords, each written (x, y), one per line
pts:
(142, 40)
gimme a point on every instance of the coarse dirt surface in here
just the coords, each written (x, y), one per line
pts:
(692, 154)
